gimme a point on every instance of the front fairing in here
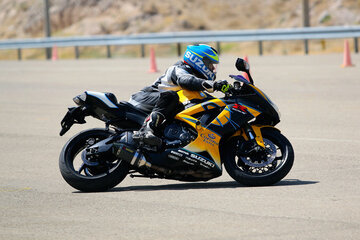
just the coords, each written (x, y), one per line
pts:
(258, 103)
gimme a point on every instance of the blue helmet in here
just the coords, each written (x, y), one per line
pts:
(203, 58)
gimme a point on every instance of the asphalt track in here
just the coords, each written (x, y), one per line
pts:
(319, 199)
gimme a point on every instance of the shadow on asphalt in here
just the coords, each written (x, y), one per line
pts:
(288, 182)
(209, 185)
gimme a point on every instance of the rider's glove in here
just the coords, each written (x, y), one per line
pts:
(222, 86)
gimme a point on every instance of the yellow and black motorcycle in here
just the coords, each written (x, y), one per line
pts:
(236, 131)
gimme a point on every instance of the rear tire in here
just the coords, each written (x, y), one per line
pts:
(98, 178)
(255, 173)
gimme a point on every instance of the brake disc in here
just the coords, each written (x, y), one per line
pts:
(258, 160)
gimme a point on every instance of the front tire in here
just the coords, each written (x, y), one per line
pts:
(275, 165)
(94, 177)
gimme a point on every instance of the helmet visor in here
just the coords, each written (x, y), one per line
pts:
(211, 65)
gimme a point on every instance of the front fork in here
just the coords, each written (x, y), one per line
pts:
(253, 133)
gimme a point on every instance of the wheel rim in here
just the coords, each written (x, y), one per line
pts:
(96, 166)
(265, 163)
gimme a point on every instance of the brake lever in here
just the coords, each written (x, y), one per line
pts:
(231, 91)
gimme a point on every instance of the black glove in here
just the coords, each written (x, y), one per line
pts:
(222, 85)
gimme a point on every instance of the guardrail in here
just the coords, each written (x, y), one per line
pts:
(190, 37)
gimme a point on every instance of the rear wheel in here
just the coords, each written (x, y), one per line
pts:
(264, 168)
(98, 173)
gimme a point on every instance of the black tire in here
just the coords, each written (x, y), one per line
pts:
(272, 173)
(96, 178)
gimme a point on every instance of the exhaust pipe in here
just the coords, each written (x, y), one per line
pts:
(135, 158)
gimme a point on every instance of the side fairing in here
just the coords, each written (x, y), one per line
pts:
(206, 141)
(229, 120)
(209, 136)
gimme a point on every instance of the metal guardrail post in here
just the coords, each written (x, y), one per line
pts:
(356, 46)
(306, 46)
(108, 51)
(77, 52)
(218, 48)
(47, 27)
(19, 54)
(260, 48)
(306, 23)
(48, 53)
(178, 45)
(142, 50)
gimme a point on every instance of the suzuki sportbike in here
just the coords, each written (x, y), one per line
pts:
(236, 131)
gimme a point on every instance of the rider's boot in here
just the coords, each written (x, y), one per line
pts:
(147, 132)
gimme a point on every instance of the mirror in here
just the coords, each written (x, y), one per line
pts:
(242, 65)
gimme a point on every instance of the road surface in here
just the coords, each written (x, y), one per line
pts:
(318, 199)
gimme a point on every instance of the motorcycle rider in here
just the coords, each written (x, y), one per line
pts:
(196, 72)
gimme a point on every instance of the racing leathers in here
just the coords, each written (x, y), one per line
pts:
(162, 100)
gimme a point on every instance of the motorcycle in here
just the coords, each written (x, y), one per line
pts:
(237, 131)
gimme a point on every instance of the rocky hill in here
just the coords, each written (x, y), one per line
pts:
(24, 18)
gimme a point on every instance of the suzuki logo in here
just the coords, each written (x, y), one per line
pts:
(239, 107)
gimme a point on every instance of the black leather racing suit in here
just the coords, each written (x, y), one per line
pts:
(162, 97)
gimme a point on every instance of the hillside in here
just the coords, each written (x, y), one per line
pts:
(24, 18)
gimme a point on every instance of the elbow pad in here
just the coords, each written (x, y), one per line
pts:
(208, 85)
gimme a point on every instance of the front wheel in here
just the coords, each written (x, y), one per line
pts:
(100, 172)
(266, 168)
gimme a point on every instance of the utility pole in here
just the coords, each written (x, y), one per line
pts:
(306, 21)
(47, 26)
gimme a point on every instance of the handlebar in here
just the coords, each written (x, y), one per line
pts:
(235, 88)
